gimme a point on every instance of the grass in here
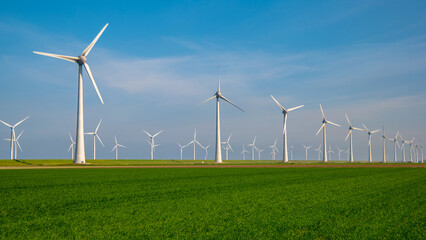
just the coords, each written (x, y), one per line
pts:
(232, 203)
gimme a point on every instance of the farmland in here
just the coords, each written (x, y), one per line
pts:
(211, 203)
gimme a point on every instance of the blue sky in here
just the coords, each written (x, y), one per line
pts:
(157, 61)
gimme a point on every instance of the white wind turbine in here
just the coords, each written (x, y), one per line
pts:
(194, 141)
(116, 148)
(152, 142)
(319, 152)
(95, 135)
(421, 150)
(340, 150)
(218, 95)
(244, 152)
(330, 151)
(384, 138)
(370, 159)
(291, 152)
(351, 150)
(71, 146)
(285, 112)
(16, 145)
(411, 148)
(417, 152)
(253, 147)
(347, 153)
(259, 151)
(403, 147)
(324, 122)
(12, 135)
(274, 149)
(395, 143)
(206, 149)
(227, 145)
(80, 156)
(306, 151)
(181, 148)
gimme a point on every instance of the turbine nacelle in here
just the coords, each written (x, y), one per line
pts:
(81, 60)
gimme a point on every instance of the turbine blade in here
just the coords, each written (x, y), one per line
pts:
(359, 129)
(366, 129)
(67, 58)
(6, 124)
(348, 120)
(335, 124)
(70, 147)
(121, 145)
(86, 66)
(87, 50)
(19, 145)
(322, 112)
(348, 135)
(21, 121)
(375, 131)
(114, 148)
(224, 98)
(70, 136)
(208, 99)
(19, 135)
(279, 105)
(294, 108)
(320, 128)
(147, 133)
(99, 140)
(115, 138)
(157, 133)
(98, 126)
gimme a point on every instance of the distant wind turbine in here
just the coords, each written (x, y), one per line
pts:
(285, 112)
(319, 152)
(306, 151)
(12, 135)
(370, 159)
(253, 146)
(95, 135)
(227, 145)
(395, 143)
(206, 149)
(181, 148)
(351, 150)
(218, 95)
(152, 144)
(116, 147)
(323, 127)
(259, 151)
(384, 138)
(16, 144)
(330, 152)
(194, 141)
(340, 150)
(71, 146)
(81, 61)
(403, 148)
(291, 152)
(244, 152)
(411, 148)
(274, 149)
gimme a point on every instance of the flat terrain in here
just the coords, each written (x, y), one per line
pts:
(213, 203)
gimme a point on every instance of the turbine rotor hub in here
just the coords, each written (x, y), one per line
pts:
(81, 59)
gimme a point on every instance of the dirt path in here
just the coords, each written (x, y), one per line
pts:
(232, 166)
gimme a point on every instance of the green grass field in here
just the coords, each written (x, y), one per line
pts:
(232, 203)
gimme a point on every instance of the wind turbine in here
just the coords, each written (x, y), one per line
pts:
(285, 112)
(319, 152)
(384, 138)
(370, 159)
(324, 122)
(347, 153)
(116, 148)
(306, 151)
(206, 149)
(227, 145)
(259, 151)
(152, 142)
(274, 148)
(16, 145)
(339, 150)
(194, 141)
(291, 152)
(182, 147)
(350, 134)
(417, 152)
(71, 146)
(411, 148)
(421, 149)
(252, 148)
(81, 61)
(395, 142)
(244, 153)
(330, 151)
(12, 135)
(95, 135)
(403, 147)
(218, 95)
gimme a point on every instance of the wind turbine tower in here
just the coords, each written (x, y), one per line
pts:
(152, 144)
(285, 112)
(370, 158)
(116, 148)
(253, 146)
(218, 95)
(81, 61)
(71, 146)
(384, 138)
(306, 151)
(244, 152)
(319, 152)
(351, 150)
(323, 127)
(95, 135)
